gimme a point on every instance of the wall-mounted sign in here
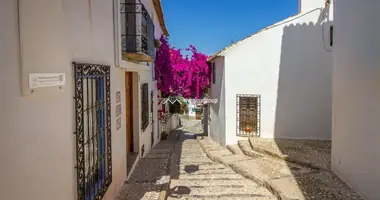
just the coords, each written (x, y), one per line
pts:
(118, 110)
(118, 123)
(118, 97)
(39, 80)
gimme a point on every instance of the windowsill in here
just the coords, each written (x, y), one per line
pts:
(132, 66)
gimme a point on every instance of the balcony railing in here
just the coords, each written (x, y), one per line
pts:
(137, 32)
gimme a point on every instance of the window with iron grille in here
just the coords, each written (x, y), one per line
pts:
(144, 106)
(248, 115)
(93, 130)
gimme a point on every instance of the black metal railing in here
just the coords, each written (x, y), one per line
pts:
(137, 29)
(93, 130)
(248, 115)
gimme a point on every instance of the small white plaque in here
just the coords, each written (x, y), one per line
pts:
(38, 80)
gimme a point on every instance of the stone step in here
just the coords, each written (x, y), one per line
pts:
(218, 191)
(195, 160)
(239, 197)
(211, 176)
(224, 182)
(252, 194)
(209, 162)
(313, 186)
(264, 169)
(192, 154)
(219, 152)
(139, 191)
(286, 180)
(213, 166)
(195, 170)
(293, 151)
(235, 149)
(207, 172)
(245, 147)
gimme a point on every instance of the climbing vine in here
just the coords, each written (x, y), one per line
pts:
(179, 75)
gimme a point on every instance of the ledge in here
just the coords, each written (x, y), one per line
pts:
(137, 57)
(133, 66)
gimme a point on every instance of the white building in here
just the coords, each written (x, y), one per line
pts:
(285, 70)
(356, 96)
(51, 136)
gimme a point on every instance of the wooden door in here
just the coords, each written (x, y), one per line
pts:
(129, 110)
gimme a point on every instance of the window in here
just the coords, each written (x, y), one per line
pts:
(248, 115)
(213, 73)
(92, 130)
(331, 35)
(144, 106)
(137, 32)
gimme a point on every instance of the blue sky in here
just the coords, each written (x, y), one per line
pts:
(210, 25)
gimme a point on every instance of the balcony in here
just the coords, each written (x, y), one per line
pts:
(137, 32)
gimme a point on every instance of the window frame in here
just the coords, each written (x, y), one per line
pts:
(144, 106)
(92, 129)
(256, 130)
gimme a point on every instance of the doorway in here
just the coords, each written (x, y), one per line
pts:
(131, 155)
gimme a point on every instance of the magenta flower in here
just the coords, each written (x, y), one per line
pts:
(181, 76)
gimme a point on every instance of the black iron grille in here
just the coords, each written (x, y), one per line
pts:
(93, 130)
(247, 115)
(137, 29)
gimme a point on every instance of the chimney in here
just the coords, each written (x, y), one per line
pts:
(307, 5)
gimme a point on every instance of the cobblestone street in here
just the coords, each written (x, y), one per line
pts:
(195, 176)
(191, 166)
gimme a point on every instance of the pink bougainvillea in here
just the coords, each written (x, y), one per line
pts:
(178, 75)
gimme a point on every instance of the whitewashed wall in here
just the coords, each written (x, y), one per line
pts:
(37, 140)
(217, 111)
(146, 136)
(143, 73)
(90, 31)
(290, 66)
(146, 77)
(356, 97)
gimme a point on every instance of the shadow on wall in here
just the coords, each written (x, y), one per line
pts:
(304, 96)
(217, 110)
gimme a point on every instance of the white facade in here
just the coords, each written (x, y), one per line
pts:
(356, 97)
(290, 65)
(37, 144)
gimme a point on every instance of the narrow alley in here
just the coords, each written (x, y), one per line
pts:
(192, 174)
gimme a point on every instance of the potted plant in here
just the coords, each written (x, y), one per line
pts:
(163, 118)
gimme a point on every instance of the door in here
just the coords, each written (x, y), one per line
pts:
(129, 110)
